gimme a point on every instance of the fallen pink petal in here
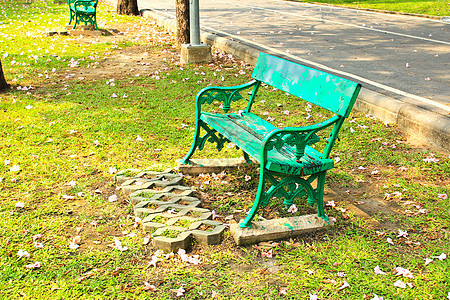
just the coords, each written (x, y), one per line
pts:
(441, 257)
(313, 297)
(402, 233)
(344, 285)
(22, 253)
(148, 287)
(292, 209)
(36, 265)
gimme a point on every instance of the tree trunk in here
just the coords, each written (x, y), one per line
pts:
(3, 84)
(183, 22)
(127, 7)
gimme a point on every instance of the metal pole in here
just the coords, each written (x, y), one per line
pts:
(194, 22)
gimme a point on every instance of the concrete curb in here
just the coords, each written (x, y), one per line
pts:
(424, 125)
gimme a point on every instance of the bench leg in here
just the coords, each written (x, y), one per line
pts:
(258, 199)
(71, 17)
(75, 22)
(319, 196)
(95, 22)
(185, 160)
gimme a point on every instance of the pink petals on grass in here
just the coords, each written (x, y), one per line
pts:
(344, 285)
(442, 196)
(402, 233)
(399, 271)
(75, 241)
(268, 254)
(194, 259)
(36, 265)
(21, 253)
(148, 287)
(378, 271)
(292, 209)
(118, 245)
(402, 285)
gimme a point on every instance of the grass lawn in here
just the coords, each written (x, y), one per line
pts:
(81, 107)
(423, 7)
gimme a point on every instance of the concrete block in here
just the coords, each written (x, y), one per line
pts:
(184, 222)
(174, 210)
(171, 244)
(145, 208)
(178, 189)
(153, 222)
(194, 54)
(207, 236)
(198, 166)
(77, 32)
(150, 194)
(186, 201)
(276, 229)
(199, 213)
(136, 184)
(125, 175)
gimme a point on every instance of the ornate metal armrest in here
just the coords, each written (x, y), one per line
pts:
(297, 137)
(85, 3)
(226, 95)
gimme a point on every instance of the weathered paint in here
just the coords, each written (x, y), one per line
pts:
(328, 91)
(284, 154)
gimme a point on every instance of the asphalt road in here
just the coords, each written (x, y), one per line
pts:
(403, 57)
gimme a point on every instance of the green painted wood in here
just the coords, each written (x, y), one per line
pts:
(288, 165)
(328, 91)
(247, 131)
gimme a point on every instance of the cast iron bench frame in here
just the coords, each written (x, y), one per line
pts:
(83, 11)
(284, 154)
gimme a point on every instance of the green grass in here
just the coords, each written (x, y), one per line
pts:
(423, 7)
(76, 131)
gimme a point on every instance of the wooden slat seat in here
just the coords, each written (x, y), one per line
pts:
(247, 132)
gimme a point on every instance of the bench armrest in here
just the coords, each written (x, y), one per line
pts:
(297, 137)
(226, 95)
(85, 3)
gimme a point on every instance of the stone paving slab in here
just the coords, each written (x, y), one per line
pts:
(168, 244)
(198, 166)
(192, 222)
(276, 229)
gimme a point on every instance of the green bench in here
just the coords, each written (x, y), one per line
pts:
(83, 11)
(288, 163)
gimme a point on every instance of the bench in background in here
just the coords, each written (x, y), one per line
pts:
(83, 11)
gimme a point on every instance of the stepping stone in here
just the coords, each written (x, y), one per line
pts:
(183, 221)
(125, 175)
(178, 189)
(277, 229)
(150, 195)
(154, 221)
(145, 208)
(161, 180)
(171, 244)
(135, 184)
(207, 237)
(199, 213)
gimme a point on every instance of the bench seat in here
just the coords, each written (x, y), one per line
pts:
(247, 131)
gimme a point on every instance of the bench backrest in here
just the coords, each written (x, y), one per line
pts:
(328, 91)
